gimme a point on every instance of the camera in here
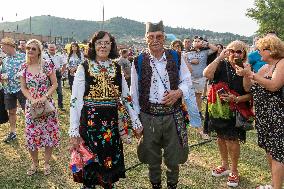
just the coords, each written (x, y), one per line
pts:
(239, 62)
(221, 91)
(205, 43)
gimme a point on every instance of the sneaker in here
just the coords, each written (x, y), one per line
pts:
(233, 180)
(10, 137)
(264, 187)
(220, 171)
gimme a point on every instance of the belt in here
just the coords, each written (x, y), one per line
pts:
(160, 109)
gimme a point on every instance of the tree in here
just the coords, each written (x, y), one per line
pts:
(269, 15)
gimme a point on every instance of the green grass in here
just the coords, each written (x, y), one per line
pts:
(194, 174)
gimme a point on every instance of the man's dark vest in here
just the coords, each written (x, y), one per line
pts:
(145, 75)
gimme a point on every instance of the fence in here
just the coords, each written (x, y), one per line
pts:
(24, 36)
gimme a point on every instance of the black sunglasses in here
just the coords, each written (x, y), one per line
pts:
(29, 48)
(237, 51)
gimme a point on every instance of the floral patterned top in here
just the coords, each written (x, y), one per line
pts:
(74, 61)
(77, 98)
(11, 66)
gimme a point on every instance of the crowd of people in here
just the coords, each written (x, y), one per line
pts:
(154, 95)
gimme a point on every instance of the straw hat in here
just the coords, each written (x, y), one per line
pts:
(8, 41)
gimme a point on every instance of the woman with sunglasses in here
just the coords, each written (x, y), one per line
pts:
(267, 86)
(226, 93)
(38, 83)
(100, 102)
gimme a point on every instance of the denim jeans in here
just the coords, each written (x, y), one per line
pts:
(59, 92)
(190, 101)
(70, 80)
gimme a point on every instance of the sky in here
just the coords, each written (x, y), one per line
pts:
(214, 15)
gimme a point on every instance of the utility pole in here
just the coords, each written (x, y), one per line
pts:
(103, 15)
(30, 25)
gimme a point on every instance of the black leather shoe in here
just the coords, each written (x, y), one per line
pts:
(171, 186)
(156, 185)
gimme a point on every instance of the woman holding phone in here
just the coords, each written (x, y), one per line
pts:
(226, 93)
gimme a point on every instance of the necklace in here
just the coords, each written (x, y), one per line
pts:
(97, 67)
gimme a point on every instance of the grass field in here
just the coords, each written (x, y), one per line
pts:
(194, 174)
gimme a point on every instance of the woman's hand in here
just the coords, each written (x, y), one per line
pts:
(244, 72)
(34, 102)
(229, 97)
(73, 70)
(74, 143)
(42, 99)
(224, 54)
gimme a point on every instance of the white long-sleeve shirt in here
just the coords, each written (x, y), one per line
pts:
(157, 88)
(77, 102)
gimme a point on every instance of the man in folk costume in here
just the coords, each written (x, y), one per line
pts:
(159, 80)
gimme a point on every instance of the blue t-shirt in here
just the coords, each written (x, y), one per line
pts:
(202, 56)
(254, 59)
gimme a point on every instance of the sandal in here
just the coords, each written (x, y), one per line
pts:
(264, 187)
(32, 170)
(47, 170)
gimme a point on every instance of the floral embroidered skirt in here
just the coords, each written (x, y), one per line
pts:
(99, 130)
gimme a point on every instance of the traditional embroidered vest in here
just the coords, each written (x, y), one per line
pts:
(103, 84)
(144, 82)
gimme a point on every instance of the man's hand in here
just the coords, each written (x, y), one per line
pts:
(194, 61)
(171, 97)
(138, 132)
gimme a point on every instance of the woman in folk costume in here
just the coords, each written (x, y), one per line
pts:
(100, 103)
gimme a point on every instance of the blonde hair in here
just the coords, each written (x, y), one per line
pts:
(239, 45)
(39, 46)
(272, 43)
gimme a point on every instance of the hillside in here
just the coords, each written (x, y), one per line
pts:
(123, 29)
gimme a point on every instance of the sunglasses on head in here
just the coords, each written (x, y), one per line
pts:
(237, 51)
(198, 37)
(31, 48)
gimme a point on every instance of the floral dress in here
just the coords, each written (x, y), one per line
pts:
(42, 131)
(98, 92)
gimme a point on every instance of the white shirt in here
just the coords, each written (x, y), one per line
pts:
(76, 102)
(157, 88)
(57, 59)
